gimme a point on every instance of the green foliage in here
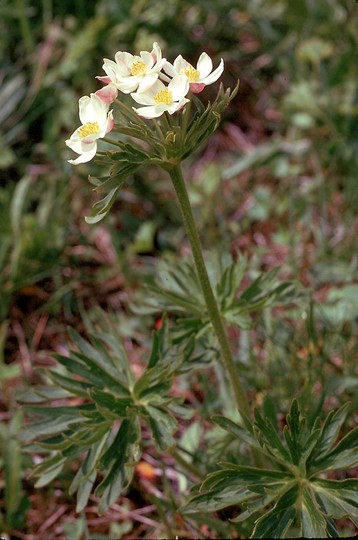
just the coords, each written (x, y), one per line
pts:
(106, 425)
(289, 168)
(177, 289)
(31, 241)
(293, 497)
(15, 500)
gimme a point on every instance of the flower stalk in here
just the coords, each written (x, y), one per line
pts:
(176, 175)
(163, 90)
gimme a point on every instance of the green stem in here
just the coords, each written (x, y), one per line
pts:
(211, 304)
(158, 129)
(130, 113)
(25, 27)
(111, 141)
(186, 118)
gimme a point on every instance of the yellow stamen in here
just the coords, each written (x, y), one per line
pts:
(164, 96)
(138, 68)
(89, 128)
(192, 74)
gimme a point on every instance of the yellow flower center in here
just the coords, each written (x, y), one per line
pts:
(138, 68)
(192, 74)
(164, 96)
(89, 128)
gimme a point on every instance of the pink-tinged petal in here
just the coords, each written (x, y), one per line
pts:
(104, 80)
(204, 65)
(215, 74)
(110, 122)
(170, 70)
(156, 52)
(88, 141)
(149, 112)
(147, 81)
(196, 88)
(179, 87)
(107, 94)
(124, 61)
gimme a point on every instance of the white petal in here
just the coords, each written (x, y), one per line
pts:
(143, 98)
(147, 81)
(180, 64)
(215, 74)
(204, 65)
(100, 109)
(75, 145)
(85, 156)
(159, 65)
(164, 77)
(172, 108)
(147, 58)
(148, 112)
(170, 70)
(128, 85)
(111, 69)
(85, 109)
(179, 87)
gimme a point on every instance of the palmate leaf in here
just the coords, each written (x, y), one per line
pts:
(111, 184)
(177, 289)
(162, 425)
(235, 485)
(103, 431)
(118, 462)
(205, 122)
(269, 438)
(102, 207)
(314, 524)
(343, 492)
(276, 522)
(128, 157)
(292, 495)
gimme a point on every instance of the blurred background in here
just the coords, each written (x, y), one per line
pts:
(277, 182)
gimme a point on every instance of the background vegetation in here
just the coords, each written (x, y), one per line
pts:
(277, 183)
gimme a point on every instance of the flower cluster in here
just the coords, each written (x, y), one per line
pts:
(153, 82)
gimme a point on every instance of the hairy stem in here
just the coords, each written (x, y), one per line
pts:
(210, 300)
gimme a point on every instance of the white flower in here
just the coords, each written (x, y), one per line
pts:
(198, 77)
(130, 72)
(96, 122)
(160, 98)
